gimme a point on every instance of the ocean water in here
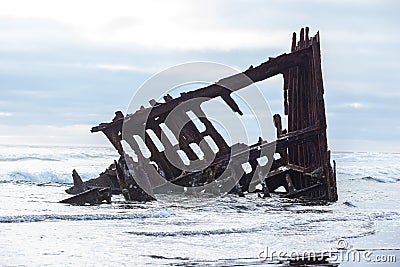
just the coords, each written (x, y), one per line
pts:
(36, 230)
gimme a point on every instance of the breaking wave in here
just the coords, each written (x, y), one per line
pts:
(36, 177)
(382, 179)
(52, 164)
(163, 213)
(365, 171)
(196, 233)
(43, 176)
(23, 158)
(54, 155)
(40, 177)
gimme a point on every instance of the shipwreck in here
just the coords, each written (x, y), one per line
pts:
(303, 167)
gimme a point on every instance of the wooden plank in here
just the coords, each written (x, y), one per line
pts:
(286, 168)
(293, 48)
(302, 192)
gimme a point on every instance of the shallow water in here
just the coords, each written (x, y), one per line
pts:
(35, 230)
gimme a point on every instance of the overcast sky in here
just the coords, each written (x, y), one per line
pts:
(68, 65)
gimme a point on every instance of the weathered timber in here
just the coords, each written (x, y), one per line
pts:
(303, 167)
(92, 196)
(304, 191)
(106, 179)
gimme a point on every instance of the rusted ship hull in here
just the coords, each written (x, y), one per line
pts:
(303, 167)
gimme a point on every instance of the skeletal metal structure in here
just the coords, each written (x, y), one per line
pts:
(303, 169)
